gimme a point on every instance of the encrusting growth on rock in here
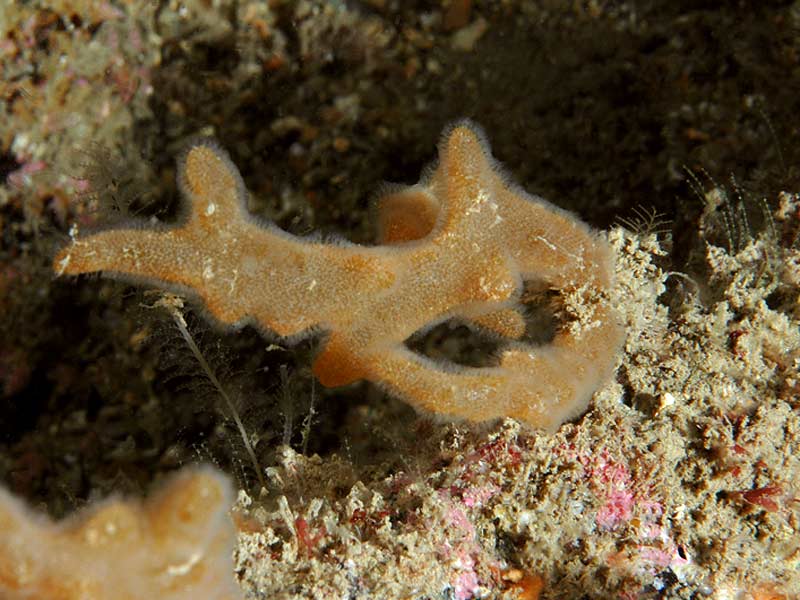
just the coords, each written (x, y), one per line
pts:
(458, 244)
(177, 545)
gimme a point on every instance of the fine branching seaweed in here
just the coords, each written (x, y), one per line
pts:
(646, 221)
(114, 186)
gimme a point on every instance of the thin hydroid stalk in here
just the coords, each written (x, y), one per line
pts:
(172, 306)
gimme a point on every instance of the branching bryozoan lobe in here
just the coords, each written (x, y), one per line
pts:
(458, 244)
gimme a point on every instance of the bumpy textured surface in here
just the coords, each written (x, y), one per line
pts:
(176, 546)
(460, 243)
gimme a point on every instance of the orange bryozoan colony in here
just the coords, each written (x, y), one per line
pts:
(458, 244)
(176, 546)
